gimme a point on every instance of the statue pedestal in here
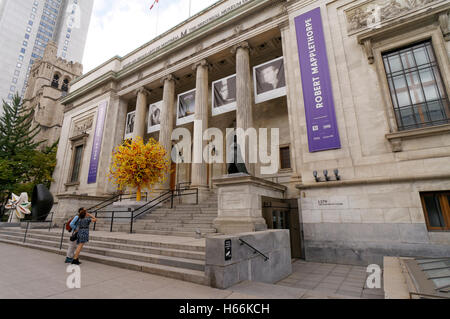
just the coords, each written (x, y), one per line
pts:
(240, 202)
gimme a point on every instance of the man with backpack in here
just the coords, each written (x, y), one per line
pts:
(72, 225)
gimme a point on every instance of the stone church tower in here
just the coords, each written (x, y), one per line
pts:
(49, 80)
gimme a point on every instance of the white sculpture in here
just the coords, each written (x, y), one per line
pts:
(18, 207)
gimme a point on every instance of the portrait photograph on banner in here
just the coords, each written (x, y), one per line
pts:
(186, 107)
(154, 117)
(269, 80)
(129, 129)
(224, 95)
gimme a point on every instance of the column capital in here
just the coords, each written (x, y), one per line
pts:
(201, 63)
(242, 45)
(143, 90)
(168, 77)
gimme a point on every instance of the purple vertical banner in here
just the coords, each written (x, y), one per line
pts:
(97, 144)
(323, 133)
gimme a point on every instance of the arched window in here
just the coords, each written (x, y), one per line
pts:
(65, 85)
(55, 82)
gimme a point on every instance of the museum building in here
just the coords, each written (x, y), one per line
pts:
(359, 91)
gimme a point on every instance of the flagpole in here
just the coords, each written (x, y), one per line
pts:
(190, 7)
(157, 20)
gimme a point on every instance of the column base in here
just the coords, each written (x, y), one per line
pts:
(237, 225)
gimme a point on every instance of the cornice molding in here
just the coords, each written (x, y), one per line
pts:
(373, 181)
(115, 76)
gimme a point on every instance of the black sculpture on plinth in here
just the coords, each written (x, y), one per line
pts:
(41, 203)
(236, 167)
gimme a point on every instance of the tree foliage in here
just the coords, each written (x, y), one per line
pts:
(139, 165)
(16, 131)
(22, 164)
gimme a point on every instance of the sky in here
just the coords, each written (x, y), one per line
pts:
(120, 26)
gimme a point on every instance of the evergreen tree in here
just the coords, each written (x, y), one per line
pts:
(22, 165)
(16, 131)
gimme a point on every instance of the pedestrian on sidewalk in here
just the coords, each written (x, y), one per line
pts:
(83, 233)
(73, 239)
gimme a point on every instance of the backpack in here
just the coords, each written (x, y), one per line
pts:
(68, 228)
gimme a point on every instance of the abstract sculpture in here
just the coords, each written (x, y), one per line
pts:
(41, 203)
(18, 207)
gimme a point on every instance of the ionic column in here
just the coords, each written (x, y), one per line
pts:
(167, 118)
(199, 174)
(244, 113)
(141, 112)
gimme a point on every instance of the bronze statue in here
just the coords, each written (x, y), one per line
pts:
(236, 167)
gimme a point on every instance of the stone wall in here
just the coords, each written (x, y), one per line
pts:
(66, 206)
(245, 264)
(361, 224)
(375, 210)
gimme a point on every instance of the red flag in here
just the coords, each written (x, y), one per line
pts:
(155, 2)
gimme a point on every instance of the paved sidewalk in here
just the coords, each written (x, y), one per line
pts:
(332, 279)
(33, 274)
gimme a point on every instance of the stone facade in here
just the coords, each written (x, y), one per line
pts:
(244, 263)
(44, 92)
(375, 208)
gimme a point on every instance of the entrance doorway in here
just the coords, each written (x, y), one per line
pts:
(283, 214)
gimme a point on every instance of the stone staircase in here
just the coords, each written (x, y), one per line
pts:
(178, 258)
(184, 220)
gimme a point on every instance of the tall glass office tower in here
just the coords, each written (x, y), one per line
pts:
(26, 26)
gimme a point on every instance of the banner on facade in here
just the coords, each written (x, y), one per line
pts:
(186, 107)
(269, 80)
(224, 95)
(323, 133)
(154, 117)
(97, 143)
(129, 128)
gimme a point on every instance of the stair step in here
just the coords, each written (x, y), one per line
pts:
(138, 256)
(178, 228)
(168, 233)
(190, 275)
(167, 252)
(139, 228)
(203, 224)
(110, 239)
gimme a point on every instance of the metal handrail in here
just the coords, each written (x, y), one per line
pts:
(36, 221)
(133, 216)
(243, 242)
(62, 236)
(161, 199)
(113, 199)
(147, 207)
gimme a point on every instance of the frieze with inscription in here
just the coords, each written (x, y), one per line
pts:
(83, 126)
(372, 13)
